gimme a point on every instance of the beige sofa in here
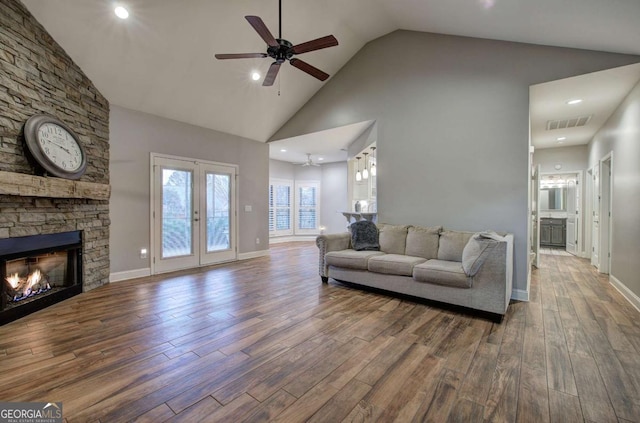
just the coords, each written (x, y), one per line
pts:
(466, 269)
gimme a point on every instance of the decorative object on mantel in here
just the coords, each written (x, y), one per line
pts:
(358, 174)
(359, 216)
(373, 161)
(365, 172)
(23, 185)
(55, 147)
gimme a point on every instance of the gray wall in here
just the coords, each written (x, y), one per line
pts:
(453, 125)
(571, 158)
(333, 188)
(621, 135)
(134, 135)
(334, 197)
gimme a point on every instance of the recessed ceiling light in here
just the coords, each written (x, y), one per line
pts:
(255, 76)
(121, 12)
(561, 138)
(576, 101)
(284, 150)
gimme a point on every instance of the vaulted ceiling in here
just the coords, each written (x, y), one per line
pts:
(160, 60)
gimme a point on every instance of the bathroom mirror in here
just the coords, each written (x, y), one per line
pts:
(553, 199)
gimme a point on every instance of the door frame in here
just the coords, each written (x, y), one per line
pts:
(580, 226)
(152, 199)
(606, 212)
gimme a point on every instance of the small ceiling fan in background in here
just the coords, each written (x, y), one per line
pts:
(282, 50)
(309, 162)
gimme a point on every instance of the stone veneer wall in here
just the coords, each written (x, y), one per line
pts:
(37, 76)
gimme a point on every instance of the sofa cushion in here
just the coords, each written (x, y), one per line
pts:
(364, 236)
(393, 238)
(475, 253)
(394, 264)
(350, 259)
(442, 272)
(452, 244)
(423, 241)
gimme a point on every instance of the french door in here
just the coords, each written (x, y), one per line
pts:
(193, 213)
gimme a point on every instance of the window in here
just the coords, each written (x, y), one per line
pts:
(280, 207)
(307, 207)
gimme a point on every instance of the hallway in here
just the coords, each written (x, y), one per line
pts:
(592, 341)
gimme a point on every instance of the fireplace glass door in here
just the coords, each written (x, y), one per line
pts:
(38, 271)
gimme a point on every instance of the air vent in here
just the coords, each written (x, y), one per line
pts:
(568, 123)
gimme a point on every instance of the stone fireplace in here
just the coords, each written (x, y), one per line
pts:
(38, 77)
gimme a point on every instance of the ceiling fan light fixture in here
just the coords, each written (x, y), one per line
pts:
(255, 76)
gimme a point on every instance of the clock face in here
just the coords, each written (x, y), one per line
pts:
(54, 147)
(59, 146)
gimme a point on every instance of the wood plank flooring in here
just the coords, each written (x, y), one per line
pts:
(265, 340)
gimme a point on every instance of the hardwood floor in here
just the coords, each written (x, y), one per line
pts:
(265, 340)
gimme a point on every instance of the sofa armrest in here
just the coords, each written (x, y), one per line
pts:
(331, 242)
(493, 283)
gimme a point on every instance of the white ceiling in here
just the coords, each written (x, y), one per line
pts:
(600, 92)
(160, 60)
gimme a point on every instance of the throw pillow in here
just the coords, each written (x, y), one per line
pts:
(451, 245)
(393, 238)
(423, 241)
(475, 253)
(364, 236)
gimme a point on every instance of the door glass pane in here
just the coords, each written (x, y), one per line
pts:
(177, 209)
(218, 211)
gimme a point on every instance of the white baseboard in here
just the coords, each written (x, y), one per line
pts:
(520, 295)
(141, 273)
(281, 239)
(626, 292)
(129, 274)
(253, 254)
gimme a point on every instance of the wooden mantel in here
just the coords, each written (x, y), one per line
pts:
(38, 186)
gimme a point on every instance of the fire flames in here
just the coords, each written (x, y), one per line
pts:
(20, 287)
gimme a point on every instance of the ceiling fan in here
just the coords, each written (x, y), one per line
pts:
(309, 162)
(282, 50)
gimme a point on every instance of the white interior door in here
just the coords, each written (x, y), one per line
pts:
(572, 216)
(595, 223)
(193, 214)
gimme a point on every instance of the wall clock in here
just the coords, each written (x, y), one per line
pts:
(55, 147)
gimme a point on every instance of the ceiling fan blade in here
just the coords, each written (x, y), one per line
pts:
(317, 44)
(311, 70)
(271, 74)
(241, 56)
(262, 30)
